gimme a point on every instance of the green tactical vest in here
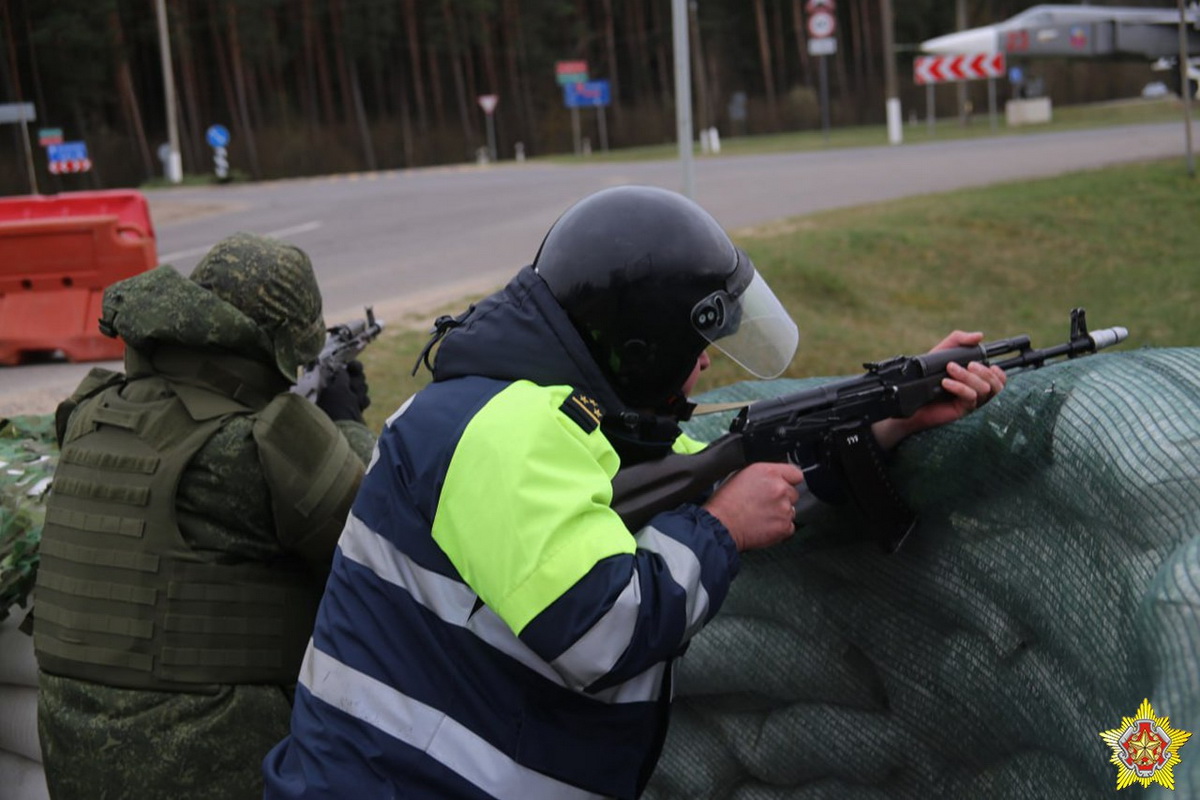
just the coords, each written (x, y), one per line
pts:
(121, 598)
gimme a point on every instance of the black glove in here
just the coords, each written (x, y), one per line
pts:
(345, 396)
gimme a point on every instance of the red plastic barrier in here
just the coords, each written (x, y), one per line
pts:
(57, 255)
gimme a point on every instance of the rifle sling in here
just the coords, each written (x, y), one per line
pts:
(860, 461)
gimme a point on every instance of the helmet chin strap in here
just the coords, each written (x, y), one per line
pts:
(679, 407)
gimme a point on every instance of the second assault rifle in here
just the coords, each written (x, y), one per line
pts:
(342, 345)
(826, 431)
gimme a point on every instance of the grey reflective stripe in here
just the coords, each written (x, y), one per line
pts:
(395, 415)
(596, 652)
(429, 730)
(452, 602)
(684, 568)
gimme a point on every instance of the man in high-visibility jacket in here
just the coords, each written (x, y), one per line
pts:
(491, 628)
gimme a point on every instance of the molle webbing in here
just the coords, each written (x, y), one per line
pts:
(122, 599)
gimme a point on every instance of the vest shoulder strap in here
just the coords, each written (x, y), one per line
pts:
(312, 473)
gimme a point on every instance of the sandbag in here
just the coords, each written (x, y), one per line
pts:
(1052, 584)
(18, 723)
(21, 778)
(17, 663)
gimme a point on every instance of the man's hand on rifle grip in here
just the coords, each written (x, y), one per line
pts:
(757, 504)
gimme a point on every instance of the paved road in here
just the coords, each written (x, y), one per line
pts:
(412, 241)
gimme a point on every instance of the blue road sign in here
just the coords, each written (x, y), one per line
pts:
(592, 93)
(217, 136)
(67, 151)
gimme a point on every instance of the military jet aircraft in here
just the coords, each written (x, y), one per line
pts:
(1053, 31)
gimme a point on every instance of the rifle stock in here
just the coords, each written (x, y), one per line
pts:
(826, 432)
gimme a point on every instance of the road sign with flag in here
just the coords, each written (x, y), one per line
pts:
(592, 93)
(68, 157)
(570, 72)
(966, 67)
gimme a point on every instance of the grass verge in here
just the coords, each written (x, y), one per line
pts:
(878, 280)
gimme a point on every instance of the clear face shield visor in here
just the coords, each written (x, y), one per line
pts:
(746, 322)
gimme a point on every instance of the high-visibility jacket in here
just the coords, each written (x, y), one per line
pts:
(490, 628)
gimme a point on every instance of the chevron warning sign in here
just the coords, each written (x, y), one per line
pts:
(966, 67)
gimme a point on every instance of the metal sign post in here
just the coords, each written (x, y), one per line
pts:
(218, 137)
(22, 114)
(488, 103)
(596, 94)
(683, 94)
(1185, 89)
(930, 70)
(567, 73)
(822, 24)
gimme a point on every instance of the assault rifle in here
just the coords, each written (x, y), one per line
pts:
(826, 431)
(342, 345)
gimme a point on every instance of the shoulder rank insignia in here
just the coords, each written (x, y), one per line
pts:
(585, 411)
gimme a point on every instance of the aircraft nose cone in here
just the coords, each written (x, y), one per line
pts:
(975, 40)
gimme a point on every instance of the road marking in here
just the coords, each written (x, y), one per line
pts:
(285, 232)
(282, 233)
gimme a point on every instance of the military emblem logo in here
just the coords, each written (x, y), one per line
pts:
(1145, 748)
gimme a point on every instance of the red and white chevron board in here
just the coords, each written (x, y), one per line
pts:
(71, 165)
(967, 67)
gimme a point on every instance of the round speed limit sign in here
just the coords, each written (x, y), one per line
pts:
(821, 24)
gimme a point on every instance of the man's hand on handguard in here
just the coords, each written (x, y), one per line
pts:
(967, 388)
(757, 504)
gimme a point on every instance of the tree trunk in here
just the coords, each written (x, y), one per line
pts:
(414, 56)
(800, 33)
(780, 49)
(309, 89)
(510, 45)
(127, 94)
(764, 54)
(610, 52)
(531, 133)
(239, 85)
(456, 70)
(194, 151)
(642, 82)
(339, 58)
(324, 79)
(665, 83)
(360, 114)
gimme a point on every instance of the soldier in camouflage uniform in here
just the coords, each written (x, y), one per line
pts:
(189, 529)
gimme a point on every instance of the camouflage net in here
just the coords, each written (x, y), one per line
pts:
(28, 454)
(1053, 584)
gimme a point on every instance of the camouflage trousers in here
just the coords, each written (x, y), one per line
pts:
(105, 743)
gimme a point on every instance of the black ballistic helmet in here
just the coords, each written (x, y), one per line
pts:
(649, 279)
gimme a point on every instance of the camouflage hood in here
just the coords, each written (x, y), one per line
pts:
(252, 295)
